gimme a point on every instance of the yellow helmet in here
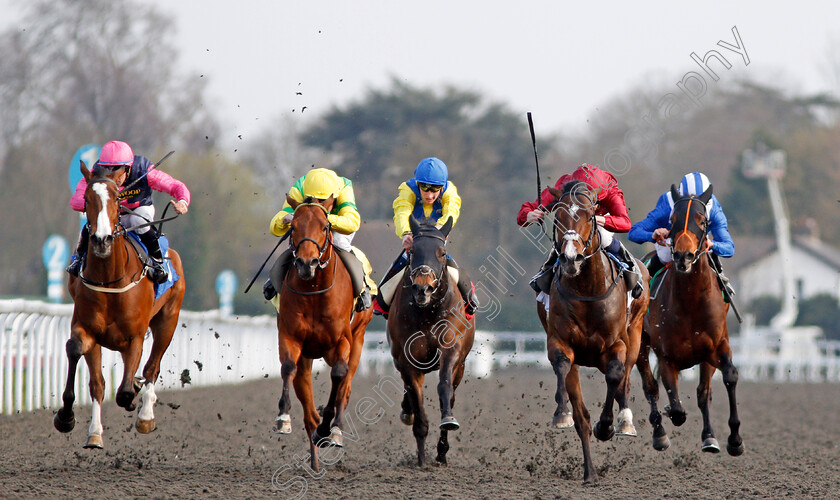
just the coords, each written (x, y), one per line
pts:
(321, 183)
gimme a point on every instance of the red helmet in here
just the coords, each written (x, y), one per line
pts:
(116, 153)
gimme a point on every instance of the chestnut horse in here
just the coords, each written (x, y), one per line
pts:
(114, 306)
(428, 330)
(590, 322)
(317, 320)
(686, 326)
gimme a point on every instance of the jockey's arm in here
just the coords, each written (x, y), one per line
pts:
(346, 220)
(77, 202)
(451, 202)
(642, 231)
(403, 206)
(278, 226)
(723, 245)
(616, 218)
(165, 183)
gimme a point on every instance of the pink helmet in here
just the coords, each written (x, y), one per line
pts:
(116, 153)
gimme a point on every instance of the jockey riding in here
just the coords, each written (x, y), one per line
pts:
(611, 217)
(656, 226)
(344, 220)
(118, 163)
(432, 198)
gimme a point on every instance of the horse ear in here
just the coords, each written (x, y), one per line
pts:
(707, 195)
(675, 195)
(556, 193)
(291, 201)
(447, 226)
(85, 171)
(413, 224)
(329, 203)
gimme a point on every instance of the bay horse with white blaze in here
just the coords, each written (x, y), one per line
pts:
(428, 330)
(686, 326)
(316, 319)
(114, 306)
(590, 322)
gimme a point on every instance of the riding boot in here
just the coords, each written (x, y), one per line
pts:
(277, 274)
(357, 278)
(75, 266)
(156, 271)
(465, 286)
(632, 276)
(382, 301)
(541, 282)
(727, 286)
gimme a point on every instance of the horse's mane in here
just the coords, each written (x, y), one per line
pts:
(571, 186)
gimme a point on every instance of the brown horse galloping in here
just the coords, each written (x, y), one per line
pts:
(686, 326)
(427, 330)
(114, 306)
(589, 322)
(316, 320)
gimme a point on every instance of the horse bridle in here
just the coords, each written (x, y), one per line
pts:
(426, 270)
(701, 237)
(328, 243)
(571, 234)
(118, 229)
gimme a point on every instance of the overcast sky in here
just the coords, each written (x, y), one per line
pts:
(560, 60)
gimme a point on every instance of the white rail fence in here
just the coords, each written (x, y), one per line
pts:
(209, 349)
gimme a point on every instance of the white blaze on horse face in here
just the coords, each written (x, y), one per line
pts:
(569, 249)
(95, 419)
(103, 223)
(147, 398)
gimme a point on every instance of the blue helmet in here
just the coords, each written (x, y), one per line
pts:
(431, 171)
(695, 183)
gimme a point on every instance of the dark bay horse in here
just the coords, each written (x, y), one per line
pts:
(686, 326)
(114, 306)
(589, 322)
(428, 330)
(317, 320)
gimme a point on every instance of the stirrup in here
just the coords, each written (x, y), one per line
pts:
(156, 272)
(268, 290)
(74, 268)
(364, 301)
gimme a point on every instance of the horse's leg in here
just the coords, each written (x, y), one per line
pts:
(443, 442)
(289, 356)
(670, 375)
(407, 413)
(624, 422)
(338, 375)
(446, 391)
(614, 375)
(734, 445)
(131, 361)
(302, 381)
(163, 328)
(651, 389)
(343, 389)
(414, 381)
(582, 422)
(562, 363)
(704, 395)
(93, 358)
(64, 420)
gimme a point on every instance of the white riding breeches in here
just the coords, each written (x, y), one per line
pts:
(664, 251)
(606, 237)
(129, 220)
(343, 241)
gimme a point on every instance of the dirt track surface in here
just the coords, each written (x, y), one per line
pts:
(217, 442)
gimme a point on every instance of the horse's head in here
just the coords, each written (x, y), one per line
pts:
(689, 225)
(427, 269)
(102, 211)
(310, 225)
(574, 225)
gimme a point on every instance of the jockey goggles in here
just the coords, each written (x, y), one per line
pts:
(429, 187)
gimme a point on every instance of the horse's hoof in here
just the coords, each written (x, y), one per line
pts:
(406, 418)
(624, 423)
(711, 445)
(603, 432)
(125, 399)
(336, 438)
(64, 425)
(319, 440)
(284, 424)
(94, 441)
(563, 421)
(735, 450)
(661, 443)
(449, 424)
(145, 426)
